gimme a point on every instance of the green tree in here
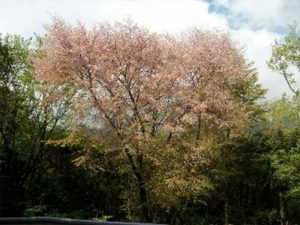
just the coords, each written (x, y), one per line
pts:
(283, 139)
(15, 97)
(284, 126)
(30, 112)
(286, 59)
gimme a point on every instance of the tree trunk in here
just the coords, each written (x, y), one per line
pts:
(226, 209)
(226, 212)
(144, 202)
(281, 209)
(145, 216)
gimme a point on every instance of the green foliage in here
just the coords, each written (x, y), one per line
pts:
(286, 164)
(16, 96)
(27, 120)
(37, 210)
(79, 214)
(286, 59)
(283, 134)
(103, 218)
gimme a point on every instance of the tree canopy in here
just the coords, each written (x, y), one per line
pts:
(120, 123)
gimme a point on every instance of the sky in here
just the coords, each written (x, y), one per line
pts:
(253, 24)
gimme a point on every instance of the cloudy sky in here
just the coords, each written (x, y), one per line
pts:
(254, 24)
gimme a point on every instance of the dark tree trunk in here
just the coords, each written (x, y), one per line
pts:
(145, 215)
(226, 206)
(281, 209)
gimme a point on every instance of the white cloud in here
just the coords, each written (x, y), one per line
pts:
(175, 16)
(263, 13)
(28, 16)
(258, 49)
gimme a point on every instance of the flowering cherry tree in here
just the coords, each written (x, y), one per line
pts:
(145, 86)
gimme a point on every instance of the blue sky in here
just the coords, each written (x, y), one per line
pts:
(253, 24)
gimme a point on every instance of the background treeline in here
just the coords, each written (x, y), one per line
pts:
(118, 123)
